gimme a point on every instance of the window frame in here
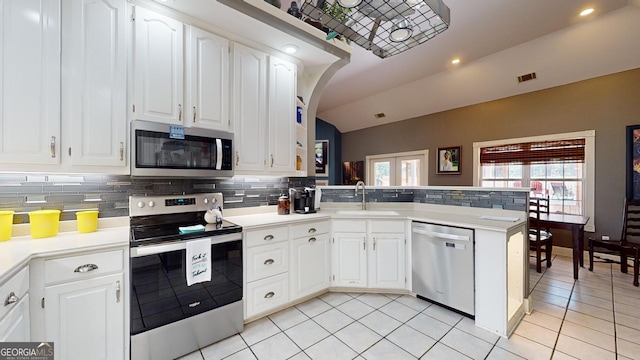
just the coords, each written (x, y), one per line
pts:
(589, 165)
(395, 159)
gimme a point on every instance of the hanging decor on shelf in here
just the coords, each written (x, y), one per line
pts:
(386, 27)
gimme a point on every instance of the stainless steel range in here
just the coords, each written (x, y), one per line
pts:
(168, 317)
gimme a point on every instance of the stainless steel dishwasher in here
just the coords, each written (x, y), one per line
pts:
(442, 265)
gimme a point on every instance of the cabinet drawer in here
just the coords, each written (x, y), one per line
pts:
(266, 236)
(82, 266)
(18, 285)
(265, 261)
(266, 294)
(358, 226)
(387, 226)
(309, 229)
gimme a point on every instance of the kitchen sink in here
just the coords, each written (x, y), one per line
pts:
(367, 212)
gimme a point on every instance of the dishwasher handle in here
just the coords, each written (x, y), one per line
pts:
(442, 235)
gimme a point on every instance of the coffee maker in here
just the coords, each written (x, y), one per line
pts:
(303, 200)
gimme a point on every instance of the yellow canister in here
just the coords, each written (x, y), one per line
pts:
(44, 223)
(6, 224)
(87, 221)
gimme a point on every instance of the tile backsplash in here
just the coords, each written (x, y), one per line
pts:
(110, 194)
(490, 198)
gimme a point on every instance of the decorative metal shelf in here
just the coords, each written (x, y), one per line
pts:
(371, 23)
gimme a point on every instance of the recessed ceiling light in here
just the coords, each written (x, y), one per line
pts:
(586, 12)
(455, 61)
(290, 49)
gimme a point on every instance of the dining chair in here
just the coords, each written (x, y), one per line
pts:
(540, 238)
(627, 246)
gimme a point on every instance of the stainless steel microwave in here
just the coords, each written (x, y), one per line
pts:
(177, 151)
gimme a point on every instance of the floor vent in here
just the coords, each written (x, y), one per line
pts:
(379, 115)
(526, 77)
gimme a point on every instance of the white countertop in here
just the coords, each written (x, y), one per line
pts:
(17, 251)
(21, 248)
(441, 214)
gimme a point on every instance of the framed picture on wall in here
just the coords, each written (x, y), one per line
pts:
(633, 162)
(322, 158)
(448, 160)
(352, 172)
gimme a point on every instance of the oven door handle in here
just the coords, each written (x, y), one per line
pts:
(146, 250)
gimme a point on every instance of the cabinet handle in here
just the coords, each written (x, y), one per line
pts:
(11, 299)
(269, 262)
(374, 244)
(237, 158)
(268, 237)
(312, 239)
(312, 230)
(271, 160)
(53, 146)
(179, 112)
(269, 295)
(86, 268)
(121, 151)
(364, 244)
(194, 114)
(118, 291)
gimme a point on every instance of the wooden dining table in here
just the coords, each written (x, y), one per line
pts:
(576, 224)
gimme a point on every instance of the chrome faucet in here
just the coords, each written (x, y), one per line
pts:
(364, 201)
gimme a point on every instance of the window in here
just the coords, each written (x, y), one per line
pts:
(401, 169)
(559, 166)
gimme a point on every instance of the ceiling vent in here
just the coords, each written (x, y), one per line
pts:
(379, 115)
(526, 77)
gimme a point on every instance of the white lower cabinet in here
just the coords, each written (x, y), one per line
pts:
(369, 254)
(86, 317)
(266, 269)
(310, 259)
(15, 325)
(14, 314)
(83, 302)
(349, 254)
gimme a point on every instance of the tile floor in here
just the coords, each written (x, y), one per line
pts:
(595, 317)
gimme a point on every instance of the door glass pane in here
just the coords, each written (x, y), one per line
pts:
(410, 172)
(381, 171)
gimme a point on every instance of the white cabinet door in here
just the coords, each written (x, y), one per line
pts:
(15, 325)
(349, 257)
(249, 109)
(387, 261)
(207, 80)
(311, 266)
(94, 81)
(86, 317)
(158, 66)
(30, 81)
(282, 116)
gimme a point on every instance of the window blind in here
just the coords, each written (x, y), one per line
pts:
(534, 152)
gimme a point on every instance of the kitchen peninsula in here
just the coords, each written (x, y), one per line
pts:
(501, 255)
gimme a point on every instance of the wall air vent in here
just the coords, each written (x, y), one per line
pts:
(526, 77)
(379, 115)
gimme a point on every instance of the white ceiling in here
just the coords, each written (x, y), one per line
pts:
(497, 40)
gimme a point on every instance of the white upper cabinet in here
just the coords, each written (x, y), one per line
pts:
(282, 116)
(249, 111)
(158, 67)
(207, 80)
(29, 82)
(94, 77)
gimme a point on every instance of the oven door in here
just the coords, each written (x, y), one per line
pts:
(160, 294)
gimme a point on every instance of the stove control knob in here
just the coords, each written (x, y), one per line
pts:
(152, 203)
(214, 200)
(206, 201)
(140, 204)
